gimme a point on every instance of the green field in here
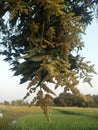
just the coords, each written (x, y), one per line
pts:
(24, 118)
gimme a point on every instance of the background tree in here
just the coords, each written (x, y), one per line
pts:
(18, 102)
(95, 97)
(90, 101)
(38, 40)
(6, 102)
(68, 99)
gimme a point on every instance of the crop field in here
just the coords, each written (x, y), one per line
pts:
(62, 118)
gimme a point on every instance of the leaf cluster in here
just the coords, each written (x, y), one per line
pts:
(38, 38)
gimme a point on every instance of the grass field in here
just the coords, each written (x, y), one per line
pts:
(61, 118)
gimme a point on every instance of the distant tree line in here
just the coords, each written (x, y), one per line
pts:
(68, 99)
(18, 102)
(64, 99)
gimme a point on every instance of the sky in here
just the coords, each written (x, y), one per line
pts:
(9, 85)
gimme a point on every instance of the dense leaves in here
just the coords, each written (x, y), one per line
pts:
(38, 39)
(69, 99)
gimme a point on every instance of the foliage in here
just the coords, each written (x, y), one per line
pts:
(95, 97)
(18, 102)
(6, 103)
(38, 40)
(82, 8)
(68, 99)
(90, 101)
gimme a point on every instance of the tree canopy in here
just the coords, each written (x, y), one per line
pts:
(38, 38)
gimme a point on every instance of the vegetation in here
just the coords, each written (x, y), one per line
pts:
(61, 118)
(4, 123)
(19, 102)
(68, 99)
(38, 39)
(64, 99)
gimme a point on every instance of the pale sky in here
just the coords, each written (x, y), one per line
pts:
(9, 85)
